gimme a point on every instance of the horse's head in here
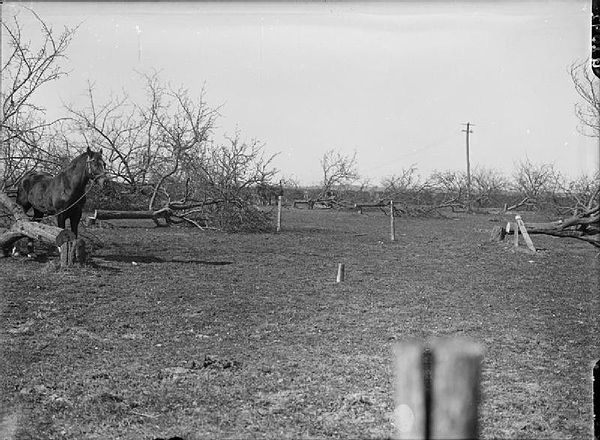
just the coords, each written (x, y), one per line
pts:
(95, 166)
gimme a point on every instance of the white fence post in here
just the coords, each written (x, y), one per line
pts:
(279, 213)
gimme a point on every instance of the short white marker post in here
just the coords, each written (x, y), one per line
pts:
(341, 272)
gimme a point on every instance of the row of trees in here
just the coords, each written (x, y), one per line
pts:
(531, 186)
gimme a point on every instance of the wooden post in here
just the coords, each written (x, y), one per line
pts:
(437, 391)
(526, 236)
(72, 253)
(92, 219)
(409, 414)
(455, 389)
(279, 213)
(66, 252)
(392, 224)
(341, 273)
(497, 234)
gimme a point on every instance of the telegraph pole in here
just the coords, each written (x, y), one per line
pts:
(468, 131)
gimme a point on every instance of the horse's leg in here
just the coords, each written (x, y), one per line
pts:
(61, 220)
(74, 219)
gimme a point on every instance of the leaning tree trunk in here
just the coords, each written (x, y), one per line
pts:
(72, 250)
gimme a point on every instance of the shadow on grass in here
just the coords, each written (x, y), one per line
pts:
(154, 259)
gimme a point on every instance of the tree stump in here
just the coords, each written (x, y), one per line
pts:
(73, 253)
(498, 234)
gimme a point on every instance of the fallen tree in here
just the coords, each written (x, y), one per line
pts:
(101, 214)
(583, 226)
(171, 213)
(319, 203)
(72, 250)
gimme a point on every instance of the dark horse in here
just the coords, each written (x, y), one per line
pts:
(63, 195)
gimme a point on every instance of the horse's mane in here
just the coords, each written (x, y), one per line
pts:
(71, 166)
(75, 162)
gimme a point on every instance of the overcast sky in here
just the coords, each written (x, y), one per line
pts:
(392, 81)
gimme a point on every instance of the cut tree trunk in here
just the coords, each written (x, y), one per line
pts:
(63, 239)
(101, 214)
(43, 232)
(173, 212)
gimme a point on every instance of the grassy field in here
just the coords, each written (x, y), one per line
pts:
(210, 335)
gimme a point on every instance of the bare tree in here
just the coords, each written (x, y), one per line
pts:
(149, 145)
(229, 171)
(338, 169)
(486, 185)
(182, 129)
(117, 126)
(588, 110)
(407, 182)
(290, 182)
(27, 67)
(224, 177)
(452, 187)
(534, 183)
(581, 193)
